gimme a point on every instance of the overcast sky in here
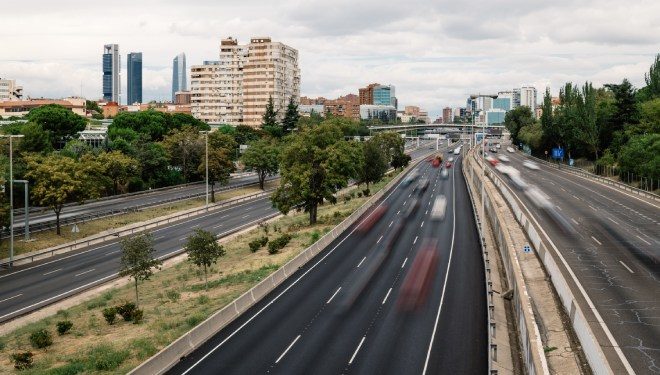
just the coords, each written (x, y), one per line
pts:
(436, 52)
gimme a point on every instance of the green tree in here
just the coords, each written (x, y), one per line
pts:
(153, 159)
(203, 251)
(652, 78)
(291, 117)
(262, 156)
(400, 161)
(185, 148)
(61, 123)
(220, 168)
(75, 148)
(641, 156)
(118, 167)
(246, 134)
(35, 139)
(219, 140)
(314, 164)
(269, 121)
(516, 119)
(56, 180)
(373, 163)
(588, 132)
(625, 103)
(391, 144)
(532, 135)
(138, 259)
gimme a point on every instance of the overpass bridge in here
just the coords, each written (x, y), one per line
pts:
(456, 127)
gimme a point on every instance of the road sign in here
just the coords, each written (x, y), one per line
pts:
(75, 229)
(527, 249)
(557, 153)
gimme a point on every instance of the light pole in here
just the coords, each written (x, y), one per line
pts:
(483, 159)
(11, 196)
(206, 134)
(26, 215)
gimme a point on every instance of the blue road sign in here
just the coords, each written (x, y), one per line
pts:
(557, 153)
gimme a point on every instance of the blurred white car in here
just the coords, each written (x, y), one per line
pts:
(510, 149)
(504, 158)
(531, 165)
(439, 208)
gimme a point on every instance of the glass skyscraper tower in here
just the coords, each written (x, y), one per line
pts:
(111, 68)
(134, 81)
(179, 75)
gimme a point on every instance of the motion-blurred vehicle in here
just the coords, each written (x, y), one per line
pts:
(372, 219)
(444, 174)
(504, 158)
(510, 149)
(439, 208)
(451, 158)
(542, 202)
(417, 284)
(492, 160)
(457, 150)
(422, 185)
(413, 207)
(448, 164)
(412, 176)
(493, 150)
(513, 175)
(498, 145)
(531, 165)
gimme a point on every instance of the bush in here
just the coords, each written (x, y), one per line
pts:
(203, 300)
(105, 357)
(359, 194)
(173, 295)
(314, 237)
(64, 327)
(138, 316)
(22, 360)
(41, 339)
(194, 320)
(366, 192)
(72, 368)
(110, 315)
(263, 241)
(277, 244)
(126, 311)
(254, 245)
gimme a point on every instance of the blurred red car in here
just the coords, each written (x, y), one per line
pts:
(435, 163)
(372, 219)
(417, 284)
(448, 165)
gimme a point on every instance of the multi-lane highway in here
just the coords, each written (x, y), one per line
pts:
(405, 296)
(611, 241)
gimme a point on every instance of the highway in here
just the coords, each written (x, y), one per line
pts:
(29, 287)
(346, 311)
(614, 252)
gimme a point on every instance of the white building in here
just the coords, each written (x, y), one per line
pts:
(528, 97)
(9, 90)
(205, 92)
(385, 113)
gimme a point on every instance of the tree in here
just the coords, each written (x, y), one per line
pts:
(374, 162)
(57, 180)
(641, 156)
(653, 78)
(269, 120)
(262, 156)
(516, 119)
(219, 140)
(532, 135)
(588, 131)
(246, 134)
(220, 168)
(203, 251)
(626, 105)
(153, 159)
(400, 161)
(75, 148)
(118, 167)
(185, 149)
(291, 117)
(391, 144)
(62, 124)
(138, 259)
(314, 164)
(35, 139)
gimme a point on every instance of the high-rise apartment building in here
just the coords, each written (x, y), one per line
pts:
(515, 98)
(235, 89)
(134, 79)
(447, 115)
(366, 94)
(111, 73)
(411, 110)
(179, 74)
(528, 97)
(9, 90)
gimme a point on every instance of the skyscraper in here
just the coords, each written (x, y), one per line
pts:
(134, 81)
(179, 74)
(528, 97)
(111, 69)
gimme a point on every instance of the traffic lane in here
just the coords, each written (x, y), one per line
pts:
(38, 285)
(292, 305)
(622, 298)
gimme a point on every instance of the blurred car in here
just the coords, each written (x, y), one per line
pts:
(448, 164)
(498, 145)
(444, 174)
(439, 208)
(531, 165)
(412, 176)
(493, 150)
(510, 149)
(504, 158)
(451, 158)
(413, 207)
(422, 185)
(513, 175)
(492, 160)
(435, 163)
(372, 219)
(418, 282)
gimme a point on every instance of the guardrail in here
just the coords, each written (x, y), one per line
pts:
(533, 356)
(124, 231)
(170, 355)
(590, 345)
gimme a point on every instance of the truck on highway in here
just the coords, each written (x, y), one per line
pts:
(457, 150)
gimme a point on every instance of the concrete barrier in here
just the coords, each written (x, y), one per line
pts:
(170, 355)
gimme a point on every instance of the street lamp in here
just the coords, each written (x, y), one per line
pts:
(26, 215)
(11, 195)
(206, 134)
(483, 158)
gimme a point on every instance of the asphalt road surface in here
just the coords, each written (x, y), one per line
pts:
(614, 252)
(349, 311)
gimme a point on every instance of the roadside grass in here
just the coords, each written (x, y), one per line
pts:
(174, 300)
(49, 238)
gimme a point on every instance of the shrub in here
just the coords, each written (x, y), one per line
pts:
(2, 345)
(69, 369)
(278, 243)
(366, 192)
(194, 320)
(263, 241)
(314, 237)
(41, 339)
(104, 357)
(173, 295)
(22, 360)
(138, 316)
(126, 311)
(203, 300)
(64, 327)
(359, 194)
(110, 315)
(144, 348)
(254, 245)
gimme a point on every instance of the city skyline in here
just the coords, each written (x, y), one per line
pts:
(337, 54)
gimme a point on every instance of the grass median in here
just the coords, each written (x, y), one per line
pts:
(49, 238)
(173, 300)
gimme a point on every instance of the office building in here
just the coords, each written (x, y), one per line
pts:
(515, 98)
(111, 73)
(528, 97)
(495, 116)
(447, 115)
(134, 79)
(384, 113)
(9, 90)
(179, 74)
(503, 103)
(385, 95)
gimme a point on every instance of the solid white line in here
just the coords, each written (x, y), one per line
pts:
(628, 268)
(359, 264)
(594, 238)
(381, 237)
(53, 271)
(415, 241)
(357, 349)
(7, 299)
(333, 296)
(404, 263)
(427, 212)
(560, 209)
(159, 238)
(82, 273)
(647, 242)
(387, 295)
(612, 221)
(592, 207)
(287, 349)
(112, 252)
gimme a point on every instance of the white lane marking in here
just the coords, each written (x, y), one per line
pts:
(594, 238)
(573, 220)
(647, 242)
(592, 207)
(223, 216)
(53, 271)
(112, 252)
(218, 226)
(409, 195)
(359, 264)
(610, 219)
(7, 299)
(159, 238)
(427, 212)
(82, 273)
(387, 295)
(415, 241)
(248, 209)
(183, 238)
(244, 216)
(381, 237)
(398, 212)
(404, 262)
(560, 209)
(391, 224)
(404, 202)
(333, 295)
(422, 225)
(287, 349)
(444, 286)
(194, 226)
(357, 349)
(628, 268)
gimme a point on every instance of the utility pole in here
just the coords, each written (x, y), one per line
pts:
(11, 196)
